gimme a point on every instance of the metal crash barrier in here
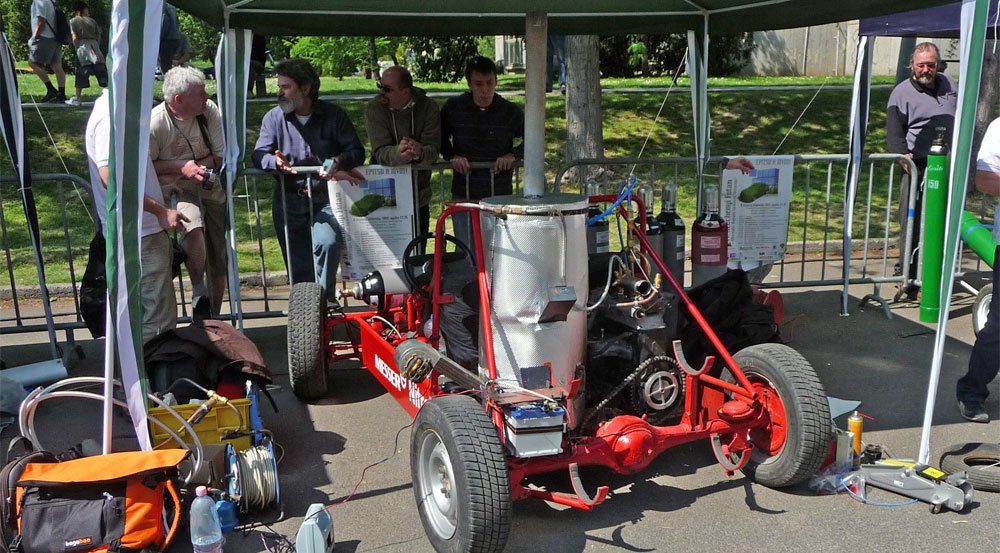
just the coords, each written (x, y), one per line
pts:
(68, 223)
(815, 251)
(814, 257)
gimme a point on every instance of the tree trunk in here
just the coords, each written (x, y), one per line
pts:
(373, 59)
(584, 124)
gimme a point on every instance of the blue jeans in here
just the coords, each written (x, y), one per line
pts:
(325, 241)
(556, 46)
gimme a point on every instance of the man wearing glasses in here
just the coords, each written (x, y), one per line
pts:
(404, 128)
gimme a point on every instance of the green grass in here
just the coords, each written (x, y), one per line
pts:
(746, 122)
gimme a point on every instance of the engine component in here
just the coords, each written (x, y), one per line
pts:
(535, 429)
(656, 390)
(372, 290)
(533, 245)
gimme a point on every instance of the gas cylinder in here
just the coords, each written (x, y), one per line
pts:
(653, 231)
(935, 207)
(672, 232)
(709, 240)
(598, 237)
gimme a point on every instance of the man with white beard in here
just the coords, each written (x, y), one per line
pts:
(304, 130)
(917, 108)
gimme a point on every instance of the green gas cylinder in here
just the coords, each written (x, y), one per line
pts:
(935, 207)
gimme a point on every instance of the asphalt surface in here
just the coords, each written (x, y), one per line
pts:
(682, 502)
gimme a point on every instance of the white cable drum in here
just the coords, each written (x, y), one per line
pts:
(538, 245)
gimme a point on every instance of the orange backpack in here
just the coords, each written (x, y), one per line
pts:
(108, 502)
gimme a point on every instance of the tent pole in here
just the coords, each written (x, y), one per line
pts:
(974, 15)
(859, 126)
(535, 40)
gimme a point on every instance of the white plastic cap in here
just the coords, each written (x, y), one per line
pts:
(200, 491)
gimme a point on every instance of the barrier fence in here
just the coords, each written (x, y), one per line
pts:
(815, 249)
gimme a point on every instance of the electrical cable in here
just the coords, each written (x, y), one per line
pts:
(392, 326)
(259, 477)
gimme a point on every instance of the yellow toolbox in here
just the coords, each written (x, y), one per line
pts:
(219, 421)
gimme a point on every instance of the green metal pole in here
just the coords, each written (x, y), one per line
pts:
(935, 205)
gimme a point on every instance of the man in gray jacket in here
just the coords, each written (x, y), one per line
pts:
(404, 128)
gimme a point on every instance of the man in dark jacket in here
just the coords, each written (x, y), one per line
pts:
(917, 107)
(404, 128)
(481, 126)
(304, 130)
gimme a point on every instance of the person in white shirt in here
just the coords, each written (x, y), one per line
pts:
(984, 363)
(159, 303)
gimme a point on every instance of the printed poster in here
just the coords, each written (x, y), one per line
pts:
(756, 207)
(377, 217)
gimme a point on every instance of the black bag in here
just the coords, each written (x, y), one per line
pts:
(94, 288)
(727, 304)
(9, 476)
(61, 29)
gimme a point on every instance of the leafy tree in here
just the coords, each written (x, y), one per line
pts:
(726, 54)
(343, 55)
(439, 59)
(204, 38)
(637, 56)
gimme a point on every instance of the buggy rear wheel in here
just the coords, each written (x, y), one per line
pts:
(460, 477)
(792, 446)
(307, 340)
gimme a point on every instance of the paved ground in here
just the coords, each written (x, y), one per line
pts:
(683, 501)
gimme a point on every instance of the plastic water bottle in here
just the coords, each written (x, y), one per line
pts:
(206, 531)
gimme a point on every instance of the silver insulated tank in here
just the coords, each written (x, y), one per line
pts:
(536, 259)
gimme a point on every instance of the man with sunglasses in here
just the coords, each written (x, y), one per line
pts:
(404, 128)
(304, 130)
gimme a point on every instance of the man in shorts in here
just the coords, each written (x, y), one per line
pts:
(45, 51)
(89, 58)
(186, 146)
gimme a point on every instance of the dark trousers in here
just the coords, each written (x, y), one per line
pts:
(984, 363)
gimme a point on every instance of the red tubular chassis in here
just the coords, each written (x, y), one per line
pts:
(765, 414)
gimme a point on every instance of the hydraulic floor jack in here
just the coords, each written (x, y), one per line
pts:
(921, 482)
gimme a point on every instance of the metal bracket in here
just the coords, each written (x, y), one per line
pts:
(725, 456)
(574, 477)
(679, 356)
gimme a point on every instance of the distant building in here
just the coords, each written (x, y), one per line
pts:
(817, 51)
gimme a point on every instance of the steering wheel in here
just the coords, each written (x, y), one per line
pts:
(412, 261)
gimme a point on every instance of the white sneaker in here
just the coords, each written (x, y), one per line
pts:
(73, 101)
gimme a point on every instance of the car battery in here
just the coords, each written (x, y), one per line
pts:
(534, 430)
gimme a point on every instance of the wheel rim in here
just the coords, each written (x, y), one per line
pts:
(768, 440)
(982, 310)
(437, 485)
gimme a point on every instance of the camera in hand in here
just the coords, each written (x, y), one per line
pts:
(211, 178)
